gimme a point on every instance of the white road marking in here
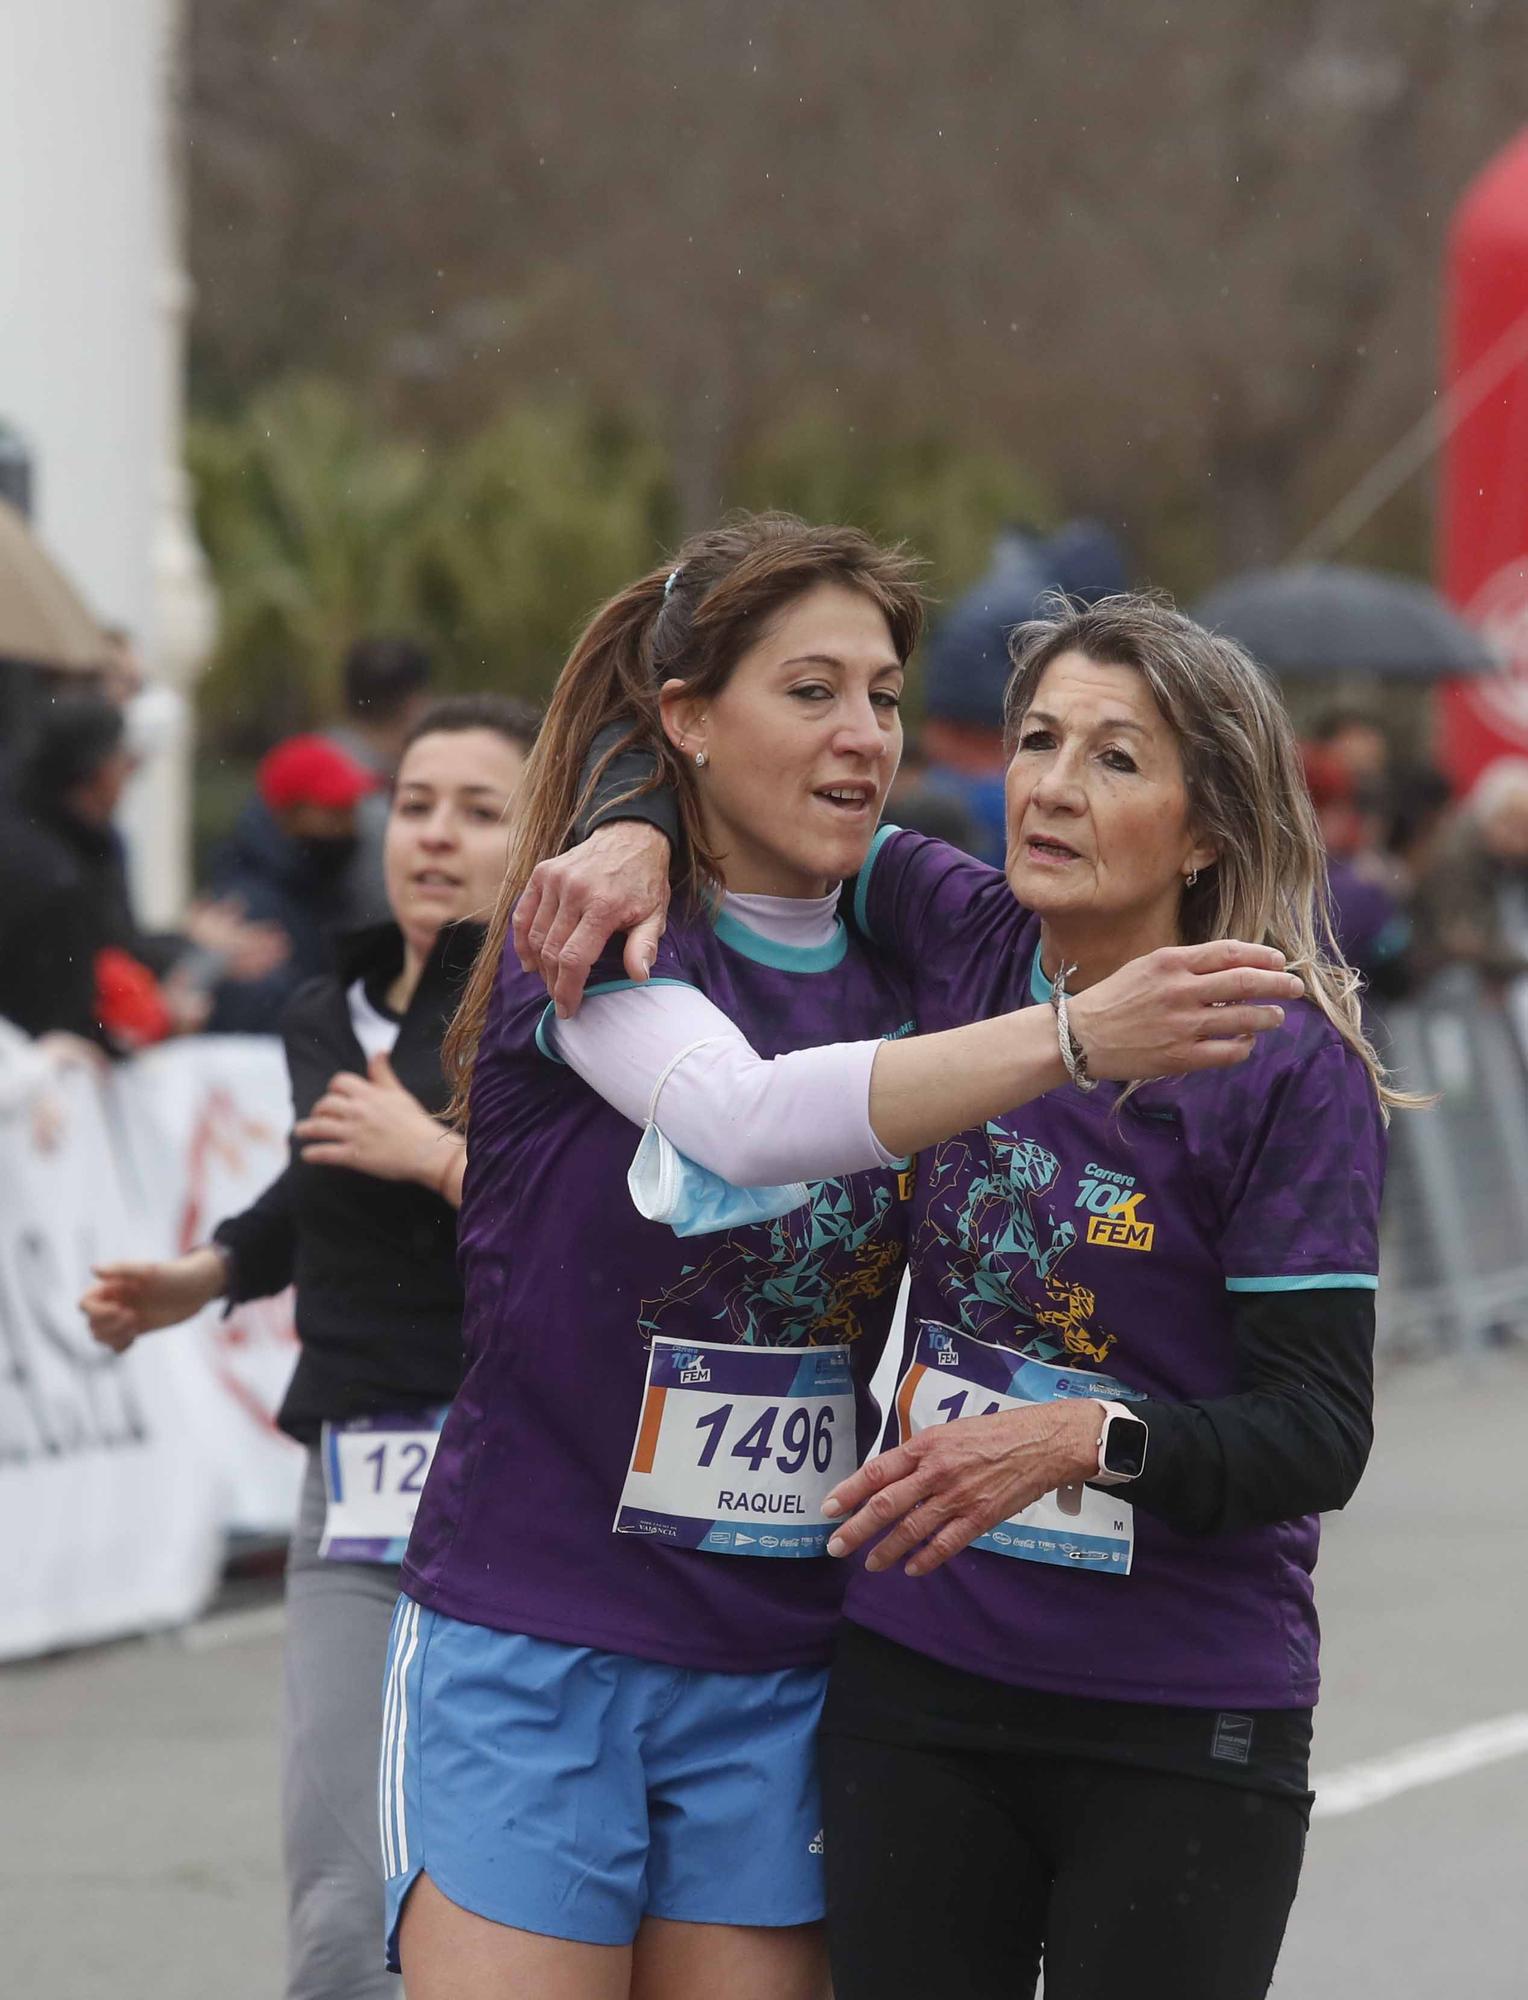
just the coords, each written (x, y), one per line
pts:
(233, 1628)
(1370, 1784)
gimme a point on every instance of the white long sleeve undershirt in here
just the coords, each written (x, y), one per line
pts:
(754, 1120)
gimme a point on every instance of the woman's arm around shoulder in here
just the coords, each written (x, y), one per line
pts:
(848, 1106)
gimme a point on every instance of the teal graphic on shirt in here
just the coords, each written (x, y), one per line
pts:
(798, 1281)
(987, 1215)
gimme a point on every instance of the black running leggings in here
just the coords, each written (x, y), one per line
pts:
(953, 1873)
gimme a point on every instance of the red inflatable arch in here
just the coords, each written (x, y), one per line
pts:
(1483, 544)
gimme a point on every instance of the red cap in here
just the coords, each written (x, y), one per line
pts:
(312, 771)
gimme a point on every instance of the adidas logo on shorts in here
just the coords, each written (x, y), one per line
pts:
(814, 1845)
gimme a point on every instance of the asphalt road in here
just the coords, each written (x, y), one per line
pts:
(138, 1856)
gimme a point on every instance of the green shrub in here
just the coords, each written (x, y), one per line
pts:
(946, 503)
(307, 514)
(530, 525)
(493, 550)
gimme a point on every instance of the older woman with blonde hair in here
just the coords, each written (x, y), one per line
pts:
(1071, 1708)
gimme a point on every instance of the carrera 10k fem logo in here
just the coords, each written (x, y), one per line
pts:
(1114, 1203)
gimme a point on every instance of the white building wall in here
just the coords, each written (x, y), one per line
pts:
(91, 306)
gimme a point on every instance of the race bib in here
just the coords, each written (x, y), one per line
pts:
(374, 1473)
(952, 1375)
(738, 1447)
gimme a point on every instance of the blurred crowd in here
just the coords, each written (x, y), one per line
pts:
(1420, 881)
(302, 863)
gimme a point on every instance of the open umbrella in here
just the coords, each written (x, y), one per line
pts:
(1325, 618)
(43, 619)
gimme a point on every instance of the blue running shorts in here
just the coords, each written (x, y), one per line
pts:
(572, 1792)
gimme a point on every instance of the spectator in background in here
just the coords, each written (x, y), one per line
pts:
(966, 663)
(287, 864)
(1419, 810)
(73, 959)
(63, 896)
(386, 689)
(1471, 904)
(1360, 744)
(1351, 824)
(1372, 926)
(923, 806)
(966, 668)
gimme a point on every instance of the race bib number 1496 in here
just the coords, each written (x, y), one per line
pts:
(737, 1448)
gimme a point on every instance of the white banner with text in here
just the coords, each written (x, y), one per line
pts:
(121, 1477)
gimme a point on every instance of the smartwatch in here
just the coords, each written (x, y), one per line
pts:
(1121, 1447)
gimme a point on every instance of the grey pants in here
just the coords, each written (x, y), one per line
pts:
(338, 1618)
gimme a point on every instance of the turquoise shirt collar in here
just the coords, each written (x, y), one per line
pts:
(1040, 988)
(771, 951)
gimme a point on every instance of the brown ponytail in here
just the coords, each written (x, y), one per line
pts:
(691, 622)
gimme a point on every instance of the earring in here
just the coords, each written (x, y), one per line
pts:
(1191, 878)
(700, 760)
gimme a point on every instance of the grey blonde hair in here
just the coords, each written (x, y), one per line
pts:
(1246, 789)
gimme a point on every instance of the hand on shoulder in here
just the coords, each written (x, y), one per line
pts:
(574, 903)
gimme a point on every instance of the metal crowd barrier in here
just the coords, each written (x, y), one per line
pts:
(1454, 1232)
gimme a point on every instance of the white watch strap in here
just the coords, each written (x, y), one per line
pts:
(1110, 1411)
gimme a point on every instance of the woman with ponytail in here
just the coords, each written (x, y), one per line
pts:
(598, 1773)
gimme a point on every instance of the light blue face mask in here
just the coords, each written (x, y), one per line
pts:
(667, 1187)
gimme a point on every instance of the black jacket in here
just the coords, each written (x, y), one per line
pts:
(379, 1303)
(63, 897)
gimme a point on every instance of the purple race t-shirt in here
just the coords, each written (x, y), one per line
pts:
(1111, 1240)
(565, 1286)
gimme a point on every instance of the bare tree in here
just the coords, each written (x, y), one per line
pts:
(1185, 263)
